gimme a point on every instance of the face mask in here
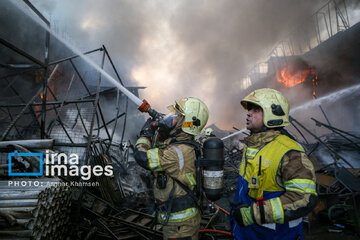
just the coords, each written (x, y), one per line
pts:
(166, 125)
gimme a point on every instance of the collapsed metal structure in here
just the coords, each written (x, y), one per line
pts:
(52, 103)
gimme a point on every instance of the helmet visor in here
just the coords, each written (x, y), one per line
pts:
(169, 121)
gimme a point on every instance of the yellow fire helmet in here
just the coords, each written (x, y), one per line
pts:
(208, 131)
(274, 105)
(195, 112)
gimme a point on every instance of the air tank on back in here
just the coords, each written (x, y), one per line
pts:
(213, 170)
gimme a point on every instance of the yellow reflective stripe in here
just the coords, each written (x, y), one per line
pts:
(251, 152)
(143, 140)
(153, 157)
(191, 178)
(301, 185)
(278, 212)
(179, 216)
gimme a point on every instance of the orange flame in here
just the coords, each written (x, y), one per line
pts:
(290, 78)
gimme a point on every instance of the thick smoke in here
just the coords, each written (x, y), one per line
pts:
(183, 48)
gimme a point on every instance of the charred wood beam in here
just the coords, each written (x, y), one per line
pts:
(337, 156)
(48, 103)
(7, 130)
(21, 52)
(75, 56)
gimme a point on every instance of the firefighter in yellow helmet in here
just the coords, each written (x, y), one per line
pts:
(209, 132)
(173, 164)
(276, 184)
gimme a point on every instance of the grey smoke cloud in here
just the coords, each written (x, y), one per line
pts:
(182, 48)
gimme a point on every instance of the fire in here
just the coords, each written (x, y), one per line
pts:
(315, 83)
(289, 78)
(39, 78)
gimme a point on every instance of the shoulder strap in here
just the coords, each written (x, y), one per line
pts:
(191, 143)
(188, 191)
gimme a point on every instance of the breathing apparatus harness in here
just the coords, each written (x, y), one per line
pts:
(209, 170)
(209, 164)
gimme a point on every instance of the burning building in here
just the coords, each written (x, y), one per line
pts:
(49, 95)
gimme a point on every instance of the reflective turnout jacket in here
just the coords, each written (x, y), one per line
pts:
(176, 161)
(278, 180)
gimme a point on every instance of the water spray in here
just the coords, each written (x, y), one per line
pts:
(234, 134)
(143, 106)
(332, 97)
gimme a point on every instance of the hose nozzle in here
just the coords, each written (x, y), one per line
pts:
(145, 107)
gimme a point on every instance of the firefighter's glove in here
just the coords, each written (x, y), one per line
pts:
(243, 215)
(147, 130)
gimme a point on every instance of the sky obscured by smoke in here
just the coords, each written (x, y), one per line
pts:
(182, 48)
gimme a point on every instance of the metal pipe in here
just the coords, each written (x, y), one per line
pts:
(48, 103)
(112, 64)
(37, 12)
(94, 111)
(339, 133)
(59, 119)
(119, 116)
(8, 195)
(82, 145)
(21, 52)
(18, 203)
(80, 77)
(32, 143)
(75, 56)
(300, 132)
(82, 120)
(11, 119)
(318, 139)
(336, 129)
(116, 117)
(7, 130)
(126, 109)
(23, 101)
(21, 212)
(103, 121)
(17, 233)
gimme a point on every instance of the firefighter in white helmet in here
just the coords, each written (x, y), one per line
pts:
(276, 184)
(173, 165)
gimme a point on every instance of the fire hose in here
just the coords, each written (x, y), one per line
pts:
(215, 231)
